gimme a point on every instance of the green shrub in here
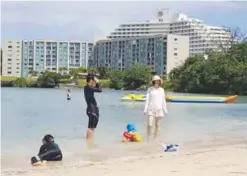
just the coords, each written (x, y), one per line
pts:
(167, 85)
(65, 81)
(116, 80)
(20, 82)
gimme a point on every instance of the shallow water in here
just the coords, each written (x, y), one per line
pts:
(28, 114)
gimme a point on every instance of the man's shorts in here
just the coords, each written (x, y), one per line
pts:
(156, 116)
(93, 117)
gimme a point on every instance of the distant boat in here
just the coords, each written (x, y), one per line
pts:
(183, 99)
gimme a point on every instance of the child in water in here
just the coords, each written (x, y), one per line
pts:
(49, 151)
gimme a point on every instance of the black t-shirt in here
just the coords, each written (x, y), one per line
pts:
(89, 96)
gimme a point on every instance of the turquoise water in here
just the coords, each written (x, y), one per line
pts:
(28, 114)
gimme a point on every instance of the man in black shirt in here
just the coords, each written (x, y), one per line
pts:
(92, 108)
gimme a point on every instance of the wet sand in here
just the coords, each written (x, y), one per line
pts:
(224, 160)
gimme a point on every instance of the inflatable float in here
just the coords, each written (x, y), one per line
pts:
(133, 97)
(183, 99)
(200, 99)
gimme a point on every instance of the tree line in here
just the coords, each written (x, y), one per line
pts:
(218, 73)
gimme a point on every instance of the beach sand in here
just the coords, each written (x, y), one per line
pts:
(228, 160)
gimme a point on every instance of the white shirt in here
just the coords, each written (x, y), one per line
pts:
(155, 100)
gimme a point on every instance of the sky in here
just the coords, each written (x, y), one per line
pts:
(90, 20)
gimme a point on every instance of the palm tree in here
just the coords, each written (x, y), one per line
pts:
(62, 70)
(33, 73)
(92, 70)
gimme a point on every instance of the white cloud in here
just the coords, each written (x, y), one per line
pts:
(101, 16)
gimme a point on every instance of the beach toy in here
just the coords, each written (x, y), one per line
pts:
(137, 137)
(171, 148)
(128, 135)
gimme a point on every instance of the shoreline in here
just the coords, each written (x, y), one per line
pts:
(216, 160)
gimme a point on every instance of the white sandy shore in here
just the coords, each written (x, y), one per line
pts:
(220, 161)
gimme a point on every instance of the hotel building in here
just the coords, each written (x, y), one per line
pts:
(161, 52)
(203, 37)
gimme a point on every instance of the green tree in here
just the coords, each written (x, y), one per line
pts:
(74, 72)
(116, 79)
(33, 73)
(137, 76)
(221, 73)
(62, 70)
(20, 82)
(103, 72)
(92, 70)
(48, 79)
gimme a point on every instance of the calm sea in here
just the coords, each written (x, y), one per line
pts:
(28, 114)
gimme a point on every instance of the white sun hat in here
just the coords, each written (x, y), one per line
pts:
(156, 78)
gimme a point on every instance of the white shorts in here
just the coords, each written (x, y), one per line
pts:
(156, 116)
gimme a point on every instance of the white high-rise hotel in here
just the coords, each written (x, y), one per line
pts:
(202, 37)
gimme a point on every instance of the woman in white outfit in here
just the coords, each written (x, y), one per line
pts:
(155, 106)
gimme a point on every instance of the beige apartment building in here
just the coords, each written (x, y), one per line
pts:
(12, 58)
(177, 51)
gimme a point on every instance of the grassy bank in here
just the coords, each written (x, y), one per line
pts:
(8, 78)
(7, 81)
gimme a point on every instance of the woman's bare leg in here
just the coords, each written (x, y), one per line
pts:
(149, 126)
(157, 126)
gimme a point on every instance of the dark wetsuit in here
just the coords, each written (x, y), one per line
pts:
(68, 96)
(50, 152)
(92, 108)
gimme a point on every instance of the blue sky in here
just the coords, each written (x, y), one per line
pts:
(92, 20)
